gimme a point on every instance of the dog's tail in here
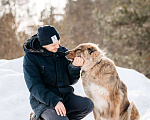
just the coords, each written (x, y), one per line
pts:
(133, 112)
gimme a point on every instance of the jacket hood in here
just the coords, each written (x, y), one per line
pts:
(32, 45)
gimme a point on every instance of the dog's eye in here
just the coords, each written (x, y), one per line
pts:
(90, 50)
(77, 49)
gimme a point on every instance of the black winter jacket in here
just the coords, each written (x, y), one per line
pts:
(48, 75)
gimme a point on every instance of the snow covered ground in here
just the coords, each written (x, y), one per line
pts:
(14, 102)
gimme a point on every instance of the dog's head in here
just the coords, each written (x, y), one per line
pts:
(88, 51)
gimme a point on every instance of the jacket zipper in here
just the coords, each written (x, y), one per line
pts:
(42, 69)
(54, 56)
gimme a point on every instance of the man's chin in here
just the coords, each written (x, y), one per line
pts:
(55, 50)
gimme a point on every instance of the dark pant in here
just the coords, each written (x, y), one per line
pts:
(77, 107)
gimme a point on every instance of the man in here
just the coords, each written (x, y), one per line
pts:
(49, 74)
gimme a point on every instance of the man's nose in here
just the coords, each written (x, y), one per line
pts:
(57, 46)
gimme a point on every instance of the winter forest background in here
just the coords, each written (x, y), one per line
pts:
(120, 27)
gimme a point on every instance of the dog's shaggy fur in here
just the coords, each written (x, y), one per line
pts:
(102, 85)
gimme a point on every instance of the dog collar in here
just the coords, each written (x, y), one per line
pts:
(97, 63)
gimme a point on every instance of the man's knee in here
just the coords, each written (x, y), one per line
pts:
(51, 114)
(89, 105)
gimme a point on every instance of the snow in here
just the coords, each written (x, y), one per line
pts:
(14, 95)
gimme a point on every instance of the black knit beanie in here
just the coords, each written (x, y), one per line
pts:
(47, 35)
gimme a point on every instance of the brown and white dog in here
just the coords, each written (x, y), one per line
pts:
(102, 85)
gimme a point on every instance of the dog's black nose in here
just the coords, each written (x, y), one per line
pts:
(66, 53)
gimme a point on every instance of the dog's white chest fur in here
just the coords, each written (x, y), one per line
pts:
(99, 90)
(100, 95)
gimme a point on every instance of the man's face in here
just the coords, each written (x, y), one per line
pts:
(52, 47)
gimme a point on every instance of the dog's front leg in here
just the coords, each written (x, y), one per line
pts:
(114, 110)
(96, 114)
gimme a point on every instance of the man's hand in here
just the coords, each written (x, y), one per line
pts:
(60, 109)
(78, 61)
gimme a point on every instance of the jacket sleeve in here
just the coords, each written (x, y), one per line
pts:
(34, 83)
(74, 73)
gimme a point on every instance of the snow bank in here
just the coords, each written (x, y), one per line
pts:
(14, 102)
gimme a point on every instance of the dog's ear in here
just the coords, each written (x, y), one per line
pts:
(97, 45)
